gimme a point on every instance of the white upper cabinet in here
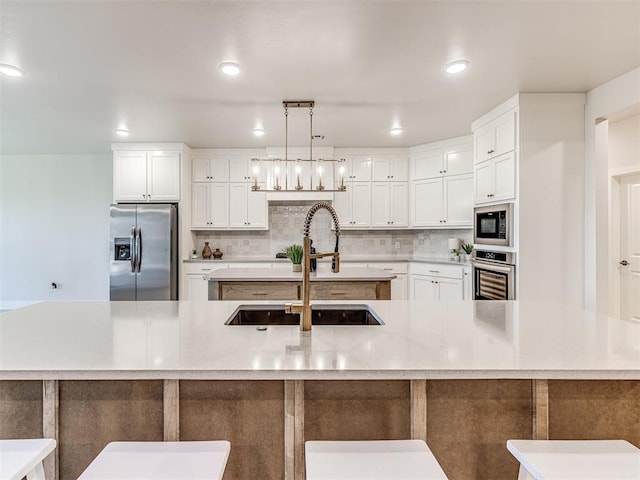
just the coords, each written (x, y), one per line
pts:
(442, 184)
(245, 170)
(357, 168)
(205, 168)
(442, 158)
(353, 206)
(443, 202)
(247, 208)
(389, 169)
(496, 137)
(210, 207)
(495, 179)
(146, 176)
(390, 204)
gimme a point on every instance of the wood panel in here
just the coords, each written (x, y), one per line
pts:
(250, 414)
(20, 409)
(259, 291)
(357, 410)
(94, 413)
(470, 421)
(594, 409)
(343, 291)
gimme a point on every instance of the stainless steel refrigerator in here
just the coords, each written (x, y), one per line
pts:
(144, 253)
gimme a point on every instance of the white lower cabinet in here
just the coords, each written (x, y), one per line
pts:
(400, 284)
(196, 276)
(467, 283)
(436, 282)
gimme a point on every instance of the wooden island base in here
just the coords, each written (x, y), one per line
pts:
(465, 422)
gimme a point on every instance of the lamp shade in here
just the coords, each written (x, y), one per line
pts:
(454, 243)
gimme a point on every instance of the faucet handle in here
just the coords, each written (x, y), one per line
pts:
(335, 263)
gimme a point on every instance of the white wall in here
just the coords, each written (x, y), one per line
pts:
(624, 142)
(54, 227)
(614, 96)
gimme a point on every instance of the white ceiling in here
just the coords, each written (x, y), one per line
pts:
(92, 66)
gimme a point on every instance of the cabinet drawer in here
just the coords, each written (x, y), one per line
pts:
(203, 268)
(259, 291)
(437, 270)
(343, 291)
(391, 267)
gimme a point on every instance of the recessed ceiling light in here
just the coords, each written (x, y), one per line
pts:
(10, 70)
(395, 131)
(457, 66)
(229, 68)
(258, 132)
(123, 132)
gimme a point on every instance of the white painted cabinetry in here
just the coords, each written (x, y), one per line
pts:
(400, 284)
(442, 184)
(206, 168)
(389, 169)
(353, 206)
(146, 176)
(436, 282)
(467, 283)
(390, 208)
(210, 209)
(247, 208)
(495, 179)
(495, 159)
(496, 137)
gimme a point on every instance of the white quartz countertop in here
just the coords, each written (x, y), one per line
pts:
(420, 339)
(280, 274)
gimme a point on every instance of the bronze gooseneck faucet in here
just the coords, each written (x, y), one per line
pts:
(304, 309)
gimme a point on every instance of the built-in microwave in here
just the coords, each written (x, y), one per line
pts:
(493, 225)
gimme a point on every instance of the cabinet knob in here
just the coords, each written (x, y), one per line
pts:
(440, 171)
(624, 263)
(444, 171)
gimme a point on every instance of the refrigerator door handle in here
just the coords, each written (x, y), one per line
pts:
(132, 243)
(139, 250)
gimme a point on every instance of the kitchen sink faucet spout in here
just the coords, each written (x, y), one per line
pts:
(304, 309)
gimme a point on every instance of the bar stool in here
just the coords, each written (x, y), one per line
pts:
(379, 459)
(23, 458)
(579, 459)
(159, 461)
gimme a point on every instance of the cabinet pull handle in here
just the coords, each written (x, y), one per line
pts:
(260, 293)
(434, 271)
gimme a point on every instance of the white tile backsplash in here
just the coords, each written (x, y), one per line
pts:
(286, 222)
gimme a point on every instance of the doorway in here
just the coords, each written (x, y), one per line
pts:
(628, 261)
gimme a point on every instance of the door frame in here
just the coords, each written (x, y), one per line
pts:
(616, 177)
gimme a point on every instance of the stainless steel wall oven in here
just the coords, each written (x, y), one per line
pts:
(494, 275)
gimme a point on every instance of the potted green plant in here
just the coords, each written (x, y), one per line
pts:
(294, 253)
(194, 253)
(467, 248)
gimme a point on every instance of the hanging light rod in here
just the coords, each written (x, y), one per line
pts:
(298, 103)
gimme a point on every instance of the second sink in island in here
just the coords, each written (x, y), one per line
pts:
(284, 284)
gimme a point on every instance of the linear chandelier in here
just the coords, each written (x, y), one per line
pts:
(300, 174)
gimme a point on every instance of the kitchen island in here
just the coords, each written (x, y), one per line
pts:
(350, 283)
(464, 376)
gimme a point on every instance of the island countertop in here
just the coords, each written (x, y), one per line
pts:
(324, 274)
(420, 340)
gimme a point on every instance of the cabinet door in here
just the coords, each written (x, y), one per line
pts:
(504, 177)
(219, 170)
(427, 203)
(467, 284)
(448, 289)
(200, 205)
(381, 211)
(256, 209)
(399, 287)
(399, 204)
(200, 169)
(459, 200)
(163, 176)
(239, 170)
(399, 169)
(130, 176)
(342, 204)
(361, 204)
(458, 160)
(361, 169)
(483, 139)
(484, 181)
(504, 133)
(238, 205)
(422, 288)
(198, 288)
(427, 165)
(219, 206)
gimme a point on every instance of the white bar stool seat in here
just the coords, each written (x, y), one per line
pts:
(371, 459)
(159, 461)
(576, 459)
(23, 458)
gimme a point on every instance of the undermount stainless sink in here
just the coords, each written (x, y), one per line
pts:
(320, 315)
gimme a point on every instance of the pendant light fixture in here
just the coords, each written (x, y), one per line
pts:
(300, 174)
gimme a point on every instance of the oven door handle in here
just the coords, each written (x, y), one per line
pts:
(493, 266)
